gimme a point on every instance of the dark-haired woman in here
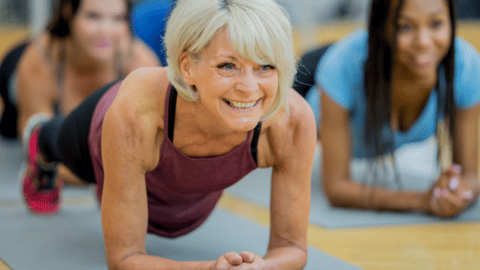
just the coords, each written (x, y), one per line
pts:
(405, 80)
(87, 44)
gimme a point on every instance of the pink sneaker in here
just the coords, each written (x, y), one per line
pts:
(41, 189)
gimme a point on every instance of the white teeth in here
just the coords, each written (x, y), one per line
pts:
(239, 105)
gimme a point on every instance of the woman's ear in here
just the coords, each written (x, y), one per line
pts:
(186, 68)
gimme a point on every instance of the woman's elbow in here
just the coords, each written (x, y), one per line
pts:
(333, 193)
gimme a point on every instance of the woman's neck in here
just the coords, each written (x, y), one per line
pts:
(404, 76)
(75, 58)
(409, 97)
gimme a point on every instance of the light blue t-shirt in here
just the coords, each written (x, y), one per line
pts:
(341, 75)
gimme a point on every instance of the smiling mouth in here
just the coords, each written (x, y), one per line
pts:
(423, 60)
(241, 105)
(103, 44)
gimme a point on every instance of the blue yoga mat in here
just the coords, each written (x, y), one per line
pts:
(417, 167)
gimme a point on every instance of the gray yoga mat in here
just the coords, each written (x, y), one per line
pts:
(73, 239)
(416, 164)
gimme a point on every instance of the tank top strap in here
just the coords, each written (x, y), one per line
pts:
(169, 114)
(254, 143)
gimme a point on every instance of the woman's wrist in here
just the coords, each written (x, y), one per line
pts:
(423, 202)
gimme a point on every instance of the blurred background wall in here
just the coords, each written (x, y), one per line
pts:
(315, 21)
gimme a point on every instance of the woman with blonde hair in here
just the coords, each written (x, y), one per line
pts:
(164, 143)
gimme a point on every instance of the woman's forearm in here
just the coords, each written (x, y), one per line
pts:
(355, 195)
(147, 262)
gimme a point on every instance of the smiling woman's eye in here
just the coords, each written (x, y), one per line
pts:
(120, 18)
(93, 15)
(227, 66)
(436, 24)
(404, 27)
(267, 67)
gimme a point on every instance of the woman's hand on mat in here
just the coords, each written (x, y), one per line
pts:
(244, 261)
(227, 261)
(451, 194)
(251, 261)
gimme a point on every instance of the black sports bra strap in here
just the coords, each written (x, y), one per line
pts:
(256, 135)
(172, 104)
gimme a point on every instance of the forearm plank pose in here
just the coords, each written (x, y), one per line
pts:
(404, 80)
(164, 143)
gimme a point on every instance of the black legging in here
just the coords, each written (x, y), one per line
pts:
(8, 121)
(65, 139)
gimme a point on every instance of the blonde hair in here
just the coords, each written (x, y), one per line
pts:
(259, 31)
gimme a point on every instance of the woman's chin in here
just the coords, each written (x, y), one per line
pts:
(242, 124)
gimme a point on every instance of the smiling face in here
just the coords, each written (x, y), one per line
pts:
(232, 89)
(98, 25)
(424, 36)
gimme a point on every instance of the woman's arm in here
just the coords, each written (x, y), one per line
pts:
(36, 90)
(459, 186)
(124, 200)
(465, 143)
(292, 143)
(131, 141)
(338, 186)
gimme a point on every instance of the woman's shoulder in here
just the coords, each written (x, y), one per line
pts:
(358, 37)
(35, 60)
(467, 71)
(351, 48)
(143, 93)
(465, 53)
(341, 70)
(141, 55)
(145, 82)
(290, 131)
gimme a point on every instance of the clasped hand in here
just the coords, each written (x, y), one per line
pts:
(451, 193)
(244, 261)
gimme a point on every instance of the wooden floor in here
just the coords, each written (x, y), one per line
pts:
(440, 246)
(4, 266)
(444, 246)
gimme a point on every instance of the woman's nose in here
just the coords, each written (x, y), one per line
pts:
(424, 38)
(248, 81)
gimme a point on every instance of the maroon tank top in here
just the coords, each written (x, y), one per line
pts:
(182, 191)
